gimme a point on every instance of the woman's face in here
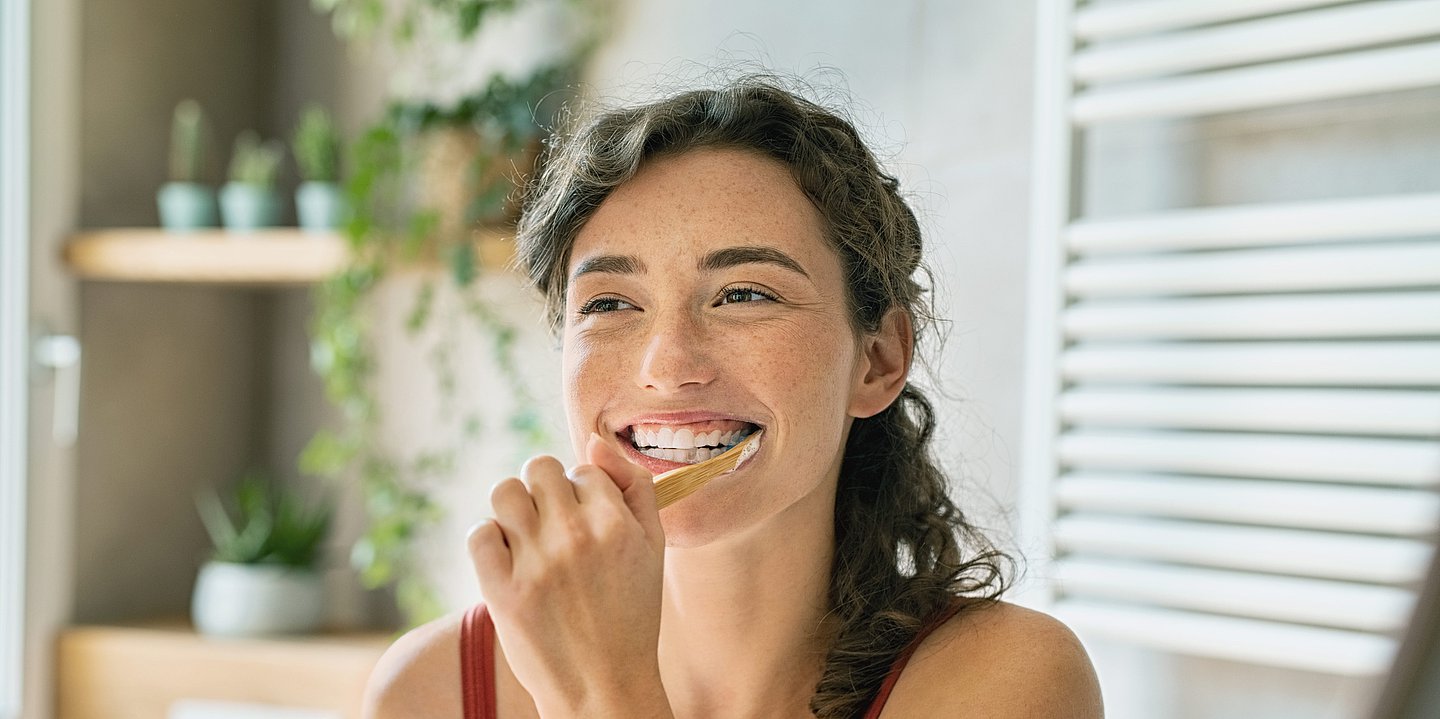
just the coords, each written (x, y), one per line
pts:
(704, 302)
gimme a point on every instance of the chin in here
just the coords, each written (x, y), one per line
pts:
(703, 519)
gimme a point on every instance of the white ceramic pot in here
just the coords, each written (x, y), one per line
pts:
(239, 600)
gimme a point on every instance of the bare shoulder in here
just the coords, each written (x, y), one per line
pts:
(418, 677)
(999, 660)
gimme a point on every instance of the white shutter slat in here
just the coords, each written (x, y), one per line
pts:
(1387, 216)
(1334, 651)
(1370, 314)
(1401, 462)
(1327, 555)
(1375, 510)
(1364, 364)
(1345, 605)
(1365, 72)
(1232, 442)
(1277, 38)
(1370, 412)
(1267, 270)
(1101, 21)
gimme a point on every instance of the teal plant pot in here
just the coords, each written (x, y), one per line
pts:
(320, 206)
(186, 206)
(249, 207)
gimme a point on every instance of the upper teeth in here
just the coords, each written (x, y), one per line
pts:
(685, 439)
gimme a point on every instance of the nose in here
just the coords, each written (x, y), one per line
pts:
(676, 356)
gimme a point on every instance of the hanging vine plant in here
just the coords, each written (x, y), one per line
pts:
(421, 180)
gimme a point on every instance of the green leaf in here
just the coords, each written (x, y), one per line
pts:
(420, 313)
(326, 454)
(463, 263)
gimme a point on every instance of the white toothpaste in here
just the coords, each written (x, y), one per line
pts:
(749, 451)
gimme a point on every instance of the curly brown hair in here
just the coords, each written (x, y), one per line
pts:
(903, 550)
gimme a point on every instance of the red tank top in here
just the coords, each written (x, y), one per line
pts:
(477, 672)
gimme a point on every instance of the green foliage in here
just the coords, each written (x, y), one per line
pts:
(317, 146)
(254, 162)
(361, 19)
(188, 132)
(268, 524)
(387, 228)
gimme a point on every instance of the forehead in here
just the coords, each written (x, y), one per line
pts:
(677, 208)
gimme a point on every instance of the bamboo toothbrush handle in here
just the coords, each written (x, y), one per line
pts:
(677, 484)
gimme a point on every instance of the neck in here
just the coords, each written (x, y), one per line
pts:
(744, 626)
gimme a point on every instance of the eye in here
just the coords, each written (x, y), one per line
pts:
(733, 295)
(600, 305)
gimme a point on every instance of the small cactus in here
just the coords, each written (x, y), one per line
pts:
(187, 142)
(317, 146)
(253, 162)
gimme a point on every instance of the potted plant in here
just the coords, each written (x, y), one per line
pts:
(184, 202)
(264, 575)
(319, 201)
(249, 200)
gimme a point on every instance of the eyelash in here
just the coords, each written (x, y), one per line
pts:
(746, 289)
(593, 306)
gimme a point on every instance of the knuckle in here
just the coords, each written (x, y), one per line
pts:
(542, 465)
(507, 489)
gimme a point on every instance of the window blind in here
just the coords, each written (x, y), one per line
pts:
(1233, 413)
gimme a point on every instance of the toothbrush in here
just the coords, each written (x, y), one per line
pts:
(677, 484)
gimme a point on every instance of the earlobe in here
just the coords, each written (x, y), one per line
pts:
(884, 365)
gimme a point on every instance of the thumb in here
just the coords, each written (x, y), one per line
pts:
(634, 482)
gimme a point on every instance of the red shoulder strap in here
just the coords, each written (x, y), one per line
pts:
(477, 670)
(899, 666)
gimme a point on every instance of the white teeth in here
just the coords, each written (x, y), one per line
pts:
(683, 456)
(686, 440)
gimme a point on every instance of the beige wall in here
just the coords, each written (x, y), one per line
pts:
(185, 387)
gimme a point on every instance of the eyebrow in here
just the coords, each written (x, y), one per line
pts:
(733, 256)
(717, 260)
(613, 264)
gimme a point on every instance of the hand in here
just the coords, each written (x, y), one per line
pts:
(570, 569)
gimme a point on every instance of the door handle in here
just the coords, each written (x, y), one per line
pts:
(60, 354)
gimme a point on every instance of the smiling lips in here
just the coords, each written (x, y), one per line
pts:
(688, 442)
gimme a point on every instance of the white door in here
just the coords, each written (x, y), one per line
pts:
(39, 359)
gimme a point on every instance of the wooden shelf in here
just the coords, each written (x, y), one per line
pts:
(142, 670)
(281, 256)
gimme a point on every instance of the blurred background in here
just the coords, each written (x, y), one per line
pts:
(262, 357)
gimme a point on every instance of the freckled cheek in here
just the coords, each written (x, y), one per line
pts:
(587, 378)
(802, 375)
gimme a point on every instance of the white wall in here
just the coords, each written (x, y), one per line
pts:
(940, 89)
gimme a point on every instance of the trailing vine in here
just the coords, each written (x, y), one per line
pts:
(390, 227)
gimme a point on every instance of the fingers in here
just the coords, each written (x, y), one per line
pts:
(554, 494)
(636, 485)
(514, 509)
(489, 554)
(624, 473)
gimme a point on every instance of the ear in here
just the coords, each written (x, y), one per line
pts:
(884, 365)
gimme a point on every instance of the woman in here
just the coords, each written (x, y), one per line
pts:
(719, 263)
